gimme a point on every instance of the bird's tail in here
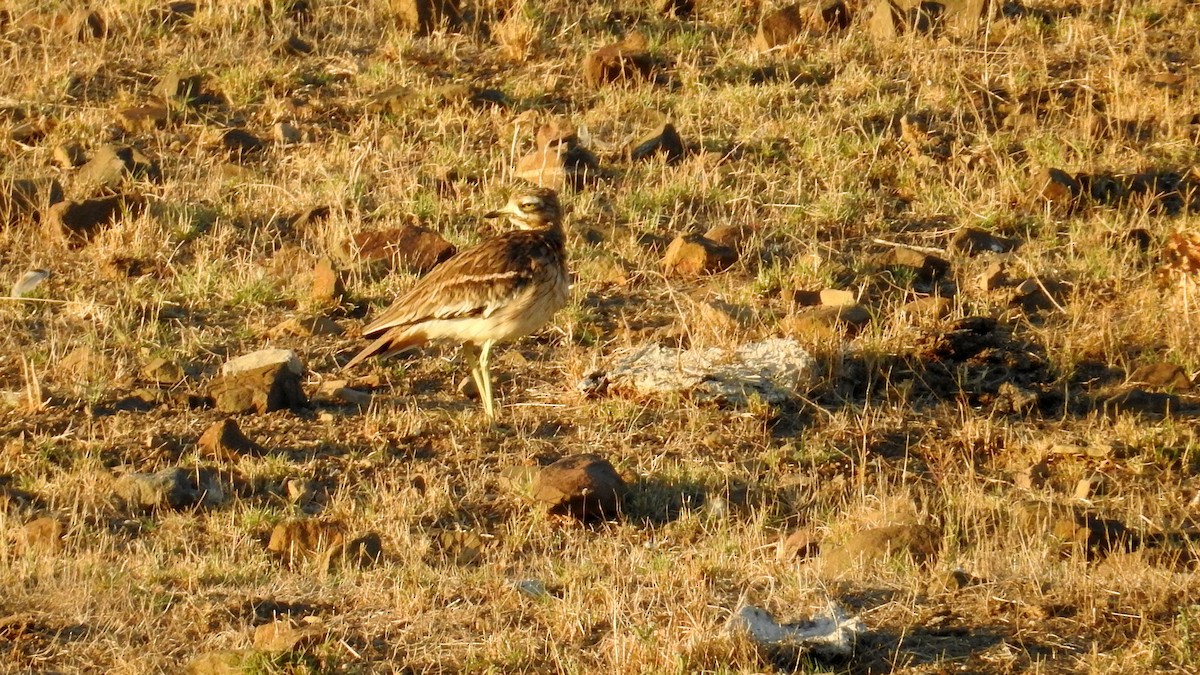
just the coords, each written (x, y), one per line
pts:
(386, 345)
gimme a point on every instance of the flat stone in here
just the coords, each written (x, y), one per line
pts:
(111, 165)
(261, 381)
(174, 487)
(834, 297)
(143, 118)
(921, 543)
(665, 142)
(294, 541)
(627, 61)
(411, 248)
(694, 255)
(558, 166)
(225, 442)
(1169, 376)
(28, 283)
(926, 266)
(584, 486)
(973, 241)
(76, 223)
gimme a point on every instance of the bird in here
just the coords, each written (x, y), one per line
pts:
(497, 291)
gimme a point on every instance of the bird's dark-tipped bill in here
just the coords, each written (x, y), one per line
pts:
(493, 214)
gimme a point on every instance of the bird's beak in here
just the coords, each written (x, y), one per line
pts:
(508, 209)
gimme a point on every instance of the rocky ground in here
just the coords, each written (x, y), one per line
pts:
(882, 312)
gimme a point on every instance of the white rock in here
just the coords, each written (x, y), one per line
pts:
(28, 281)
(261, 359)
(533, 588)
(831, 634)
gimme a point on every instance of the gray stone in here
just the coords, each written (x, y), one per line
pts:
(261, 382)
(174, 487)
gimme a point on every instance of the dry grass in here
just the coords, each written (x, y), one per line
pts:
(804, 146)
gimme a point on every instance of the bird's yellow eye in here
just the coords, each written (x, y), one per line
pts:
(529, 205)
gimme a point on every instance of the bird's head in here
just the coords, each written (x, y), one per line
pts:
(531, 209)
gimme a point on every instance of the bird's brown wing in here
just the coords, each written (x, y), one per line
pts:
(473, 283)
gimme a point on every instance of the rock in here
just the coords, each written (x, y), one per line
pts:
(222, 662)
(679, 9)
(584, 486)
(801, 543)
(27, 198)
(411, 248)
(825, 322)
(558, 131)
(462, 547)
(286, 133)
(175, 487)
(921, 543)
(950, 581)
(393, 100)
(1012, 398)
(77, 223)
(694, 254)
(285, 635)
(225, 442)
(426, 16)
(87, 24)
(362, 552)
(771, 371)
(143, 118)
(830, 635)
(1034, 295)
(327, 286)
(892, 18)
(927, 310)
(162, 371)
(1056, 187)
(1142, 402)
(28, 283)
(261, 381)
(626, 61)
(732, 236)
(973, 241)
(43, 534)
(307, 326)
(780, 27)
(926, 266)
(1169, 376)
(30, 132)
(994, 277)
(69, 155)
(173, 14)
(558, 166)
(293, 541)
(239, 142)
(179, 88)
(665, 142)
(293, 45)
(337, 393)
(832, 297)
(111, 165)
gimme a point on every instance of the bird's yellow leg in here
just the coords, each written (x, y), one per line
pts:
(485, 374)
(471, 354)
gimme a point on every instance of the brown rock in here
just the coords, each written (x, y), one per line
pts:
(337, 393)
(43, 534)
(665, 142)
(327, 286)
(462, 547)
(994, 277)
(426, 16)
(143, 118)
(179, 87)
(558, 131)
(293, 541)
(27, 198)
(925, 266)
(622, 62)
(826, 321)
(1169, 376)
(285, 635)
(833, 297)
(362, 552)
(225, 442)
(30, 132)
(412, 248)
(780, 27)
(261, 381)
(928, 309)
(87, 24)
(558, 166)
(1034, 295)
(973, 241)
(84, 363)
(584, 486)
(239, 142)
(77, 223)
(694, 254)
(162, 371)
(1056, 187)
(801, 543)
(69, 155)
(173, 487)
(892, 18)
(393, 100)
(921, 543)
(111, 165)
(733, 236)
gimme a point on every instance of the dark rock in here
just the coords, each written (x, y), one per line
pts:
(27, 198)
(1057, 187)
(665, 141)
(426, 16)
(694, 254)
(239, 142)
(179, 87)
(1037, 295)
(175, 487)
(584, 486)
(173, 14)
(225, 442)
(622, 62)
(261, 381)
(69, 155)
(77, 223)
(926, 266)
(973, 241)
(1169, 376)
